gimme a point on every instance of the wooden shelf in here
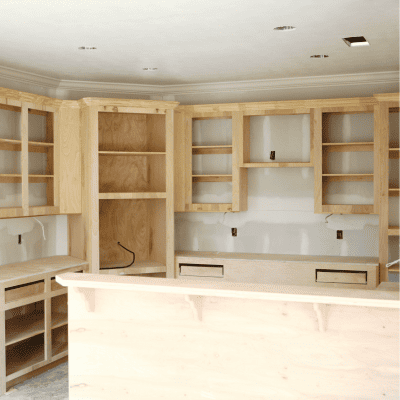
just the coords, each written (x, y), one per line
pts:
(394, 153)
(58, 348)
(394, 231)
(132, 153)
(40, 178)
(142, 195)
(33, 147)
(58, 319)
(10, 178)
(348, 147)
(277, 165)
(23, 327)
(348, 177)
(222, 149)
(140, 267)
(212, 178)
(394, 192)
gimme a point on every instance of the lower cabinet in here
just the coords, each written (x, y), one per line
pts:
(34, 317)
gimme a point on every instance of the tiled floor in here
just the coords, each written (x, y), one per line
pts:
(53, 385)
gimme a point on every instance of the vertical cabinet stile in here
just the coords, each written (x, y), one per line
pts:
(24, 159)
(316, 133)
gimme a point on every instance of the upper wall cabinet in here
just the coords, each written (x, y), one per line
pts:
(347, 160)
(208, 176)
(40, 161)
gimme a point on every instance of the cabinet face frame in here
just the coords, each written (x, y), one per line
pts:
(91, 195)
(382, 111)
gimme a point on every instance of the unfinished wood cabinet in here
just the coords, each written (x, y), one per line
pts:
(33, 316)
(346, 163)
(128, 192)
(387, 111)
(208, 173)
(40, 156)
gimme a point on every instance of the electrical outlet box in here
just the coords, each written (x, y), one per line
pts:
(339, 234)
(234, 231)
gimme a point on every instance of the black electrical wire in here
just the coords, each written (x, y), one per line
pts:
(126, 265)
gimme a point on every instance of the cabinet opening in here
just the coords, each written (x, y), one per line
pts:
(10, 123)
(131, 132)
(212, 132)
(24, 354)
(348, 162)
(23, 291)
(348, 127)
(343, 192)
(287, 135)
(24, 322)
(212, 164)
(212, 192)
(59, 311)
(140, 227)
(59, 340)
(41, 126)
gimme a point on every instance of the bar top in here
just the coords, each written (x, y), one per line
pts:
(277, 257)
(20, 270)
(380, 297)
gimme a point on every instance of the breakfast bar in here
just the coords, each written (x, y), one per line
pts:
(151, 338)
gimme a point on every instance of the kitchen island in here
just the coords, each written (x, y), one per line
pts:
(151, 338)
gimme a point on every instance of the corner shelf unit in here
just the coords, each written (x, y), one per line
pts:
(33, 310)
(128, 154)
(333, 134)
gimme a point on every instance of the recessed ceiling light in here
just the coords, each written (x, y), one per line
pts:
(355, 41)
(319, 56)
(87, 48)
(149, 69)
(284, 28)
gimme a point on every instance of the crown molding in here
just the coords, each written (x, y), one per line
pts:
(391, 77)
(18, 76)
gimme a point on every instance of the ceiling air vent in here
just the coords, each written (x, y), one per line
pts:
(356, 41)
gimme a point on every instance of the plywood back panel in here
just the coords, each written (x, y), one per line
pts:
(131, 132)
(138, 224)
(131, 174)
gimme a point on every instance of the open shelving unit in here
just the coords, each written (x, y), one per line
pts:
(208, 177)
(33, 310)
(344, 136)
(281, 132)
(128, 153)
(27, 173)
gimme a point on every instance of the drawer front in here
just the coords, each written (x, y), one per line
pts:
(332, 276)
(210, 271)
(19, 292)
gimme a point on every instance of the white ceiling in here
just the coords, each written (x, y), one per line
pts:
(193, 41)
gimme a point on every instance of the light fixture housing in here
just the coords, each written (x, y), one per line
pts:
(356, 41)
(319, 56)
(285, 28)
(87, 48)
(150, 69)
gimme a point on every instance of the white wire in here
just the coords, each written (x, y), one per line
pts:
(392, 263)
(41, 224)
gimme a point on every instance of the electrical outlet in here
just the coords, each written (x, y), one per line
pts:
(272, 155)
(234, 231)
(339, 234)
(19, 239)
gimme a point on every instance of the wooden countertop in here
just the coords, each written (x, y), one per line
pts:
(277, 257)
(306, 294)
(25, 269)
